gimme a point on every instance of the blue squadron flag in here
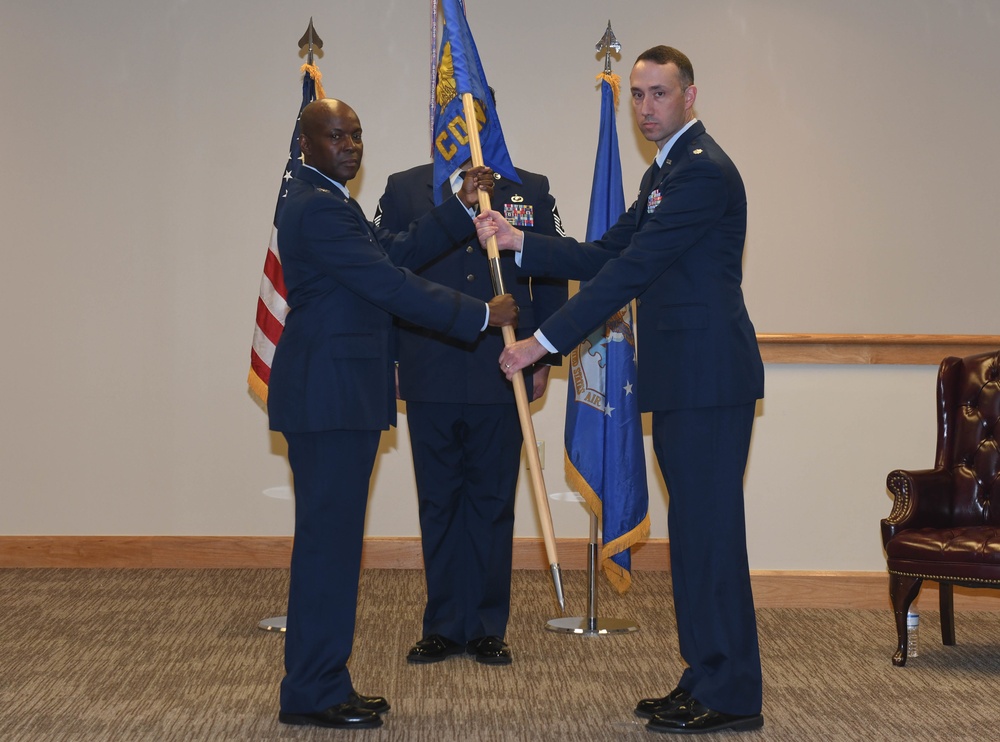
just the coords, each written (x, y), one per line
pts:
(271, 304)
(459, 71)
(603, 437)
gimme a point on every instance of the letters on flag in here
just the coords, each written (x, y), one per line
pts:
(459, 71)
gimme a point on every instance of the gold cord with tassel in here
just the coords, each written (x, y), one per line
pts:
(313, 72)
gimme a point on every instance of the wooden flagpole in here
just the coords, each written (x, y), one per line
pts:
(520, 392)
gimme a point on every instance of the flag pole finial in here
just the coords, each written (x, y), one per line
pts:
(606, 44)
(311, 43)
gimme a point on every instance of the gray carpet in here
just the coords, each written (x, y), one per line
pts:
(177, 655)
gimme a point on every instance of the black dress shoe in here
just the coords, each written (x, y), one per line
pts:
(490, 650)
(433, 648)
(691, 717)
(341, 716)
(368, 703)
(647, 707)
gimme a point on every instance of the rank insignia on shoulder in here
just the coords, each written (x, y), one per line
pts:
(697, 151)
(519, 214)
(653, 201)
(322, 190)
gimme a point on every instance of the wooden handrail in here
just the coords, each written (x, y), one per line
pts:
(871, 349)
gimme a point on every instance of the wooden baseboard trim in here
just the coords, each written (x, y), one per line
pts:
(145, 552)
(242, 552)
(772, 588)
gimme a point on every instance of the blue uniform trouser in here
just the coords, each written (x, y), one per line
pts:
(331, 473)
(703, 454)
(466, 459)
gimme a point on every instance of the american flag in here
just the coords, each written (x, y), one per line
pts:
(271, 304)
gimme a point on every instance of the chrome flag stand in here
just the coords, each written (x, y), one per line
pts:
(591, 625)
(275, 623)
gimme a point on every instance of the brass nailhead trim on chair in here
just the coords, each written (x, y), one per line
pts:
(899, 486)
(962, 580)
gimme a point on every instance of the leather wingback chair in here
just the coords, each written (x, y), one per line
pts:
(945, 522)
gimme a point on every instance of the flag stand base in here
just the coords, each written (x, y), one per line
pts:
(587, 626)
(590, 625)
(275, 623)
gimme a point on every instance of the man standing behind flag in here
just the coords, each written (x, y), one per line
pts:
(331, 391)
(679, 250)
(464, 427)
(464, 430)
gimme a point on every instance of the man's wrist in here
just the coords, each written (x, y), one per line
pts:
(471, 210)
(544, 341)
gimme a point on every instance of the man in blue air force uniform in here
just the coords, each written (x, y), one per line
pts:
(679, 251)
(465, 434)
(331, 390)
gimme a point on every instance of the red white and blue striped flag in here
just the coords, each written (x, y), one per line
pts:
(271, 304)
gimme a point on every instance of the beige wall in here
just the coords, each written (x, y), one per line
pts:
(141, 149)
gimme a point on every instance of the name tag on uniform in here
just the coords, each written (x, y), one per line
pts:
(653, 201)
(520, 215)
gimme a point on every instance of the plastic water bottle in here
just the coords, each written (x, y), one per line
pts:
(912, 625)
